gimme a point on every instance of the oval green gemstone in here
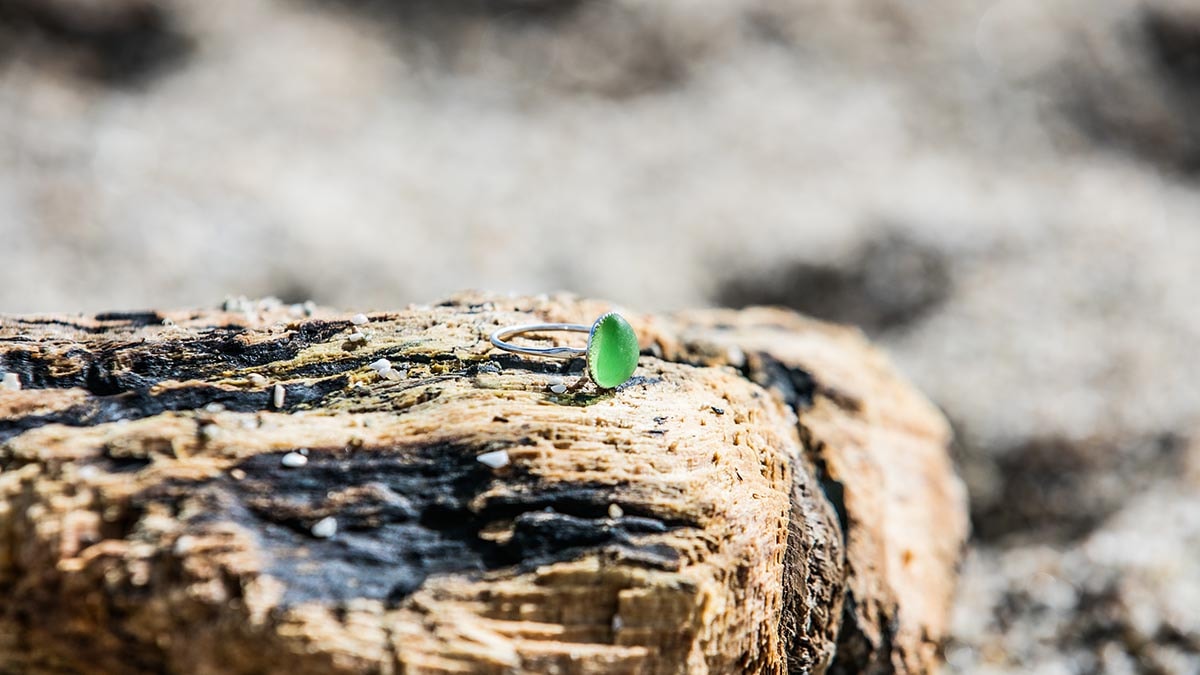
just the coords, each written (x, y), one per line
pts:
(612, 351)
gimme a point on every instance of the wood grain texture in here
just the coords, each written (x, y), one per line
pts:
(765, 496)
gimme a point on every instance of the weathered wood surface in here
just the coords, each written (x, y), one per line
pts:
(765, 496)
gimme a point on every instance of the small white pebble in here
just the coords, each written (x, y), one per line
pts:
(558, 388)
(303, 451)
(89, 472)
(184, 545)
(214, 407)
(293, 460)
(380, 365)
(210, 432)
(357, 337)
(277, 395)
(495, 459)
(325, 527)
(12, 381)
(257, 380)
(237, 474)
(735, 356)
(615, 511)
(358, 319)
(392, 374)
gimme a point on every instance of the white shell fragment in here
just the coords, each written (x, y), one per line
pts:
(380, 365)
(11, 381)
(277, 395)
(494, 459)
(359, 319)
(392, 374)
(325, 527)
(293, 460)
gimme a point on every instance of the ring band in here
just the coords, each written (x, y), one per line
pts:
(611, 354)
(500, 337)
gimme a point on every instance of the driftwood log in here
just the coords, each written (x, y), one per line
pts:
(765, 496)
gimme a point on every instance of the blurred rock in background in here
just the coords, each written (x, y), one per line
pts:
(1003, 193)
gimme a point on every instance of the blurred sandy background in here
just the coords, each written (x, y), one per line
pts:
(1004, 194)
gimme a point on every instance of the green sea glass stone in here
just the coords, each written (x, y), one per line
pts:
(612, 351)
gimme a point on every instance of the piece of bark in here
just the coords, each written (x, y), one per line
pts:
(765, 496)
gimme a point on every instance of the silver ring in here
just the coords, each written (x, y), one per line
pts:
(611, 354)
(499, 339)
